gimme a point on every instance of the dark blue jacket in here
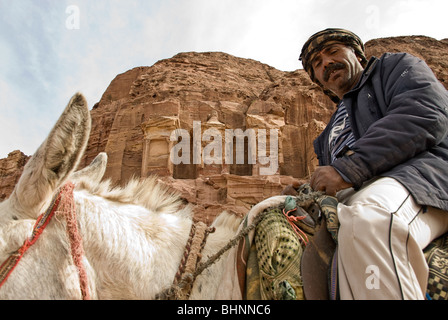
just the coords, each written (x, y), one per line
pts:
(399, 116)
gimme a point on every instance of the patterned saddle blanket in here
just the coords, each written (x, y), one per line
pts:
(273, 269)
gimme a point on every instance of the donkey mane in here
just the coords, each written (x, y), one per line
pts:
(147, 192)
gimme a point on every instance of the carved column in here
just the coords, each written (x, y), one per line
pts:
(157, 145)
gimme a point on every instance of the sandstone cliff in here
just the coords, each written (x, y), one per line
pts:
(142, 107)
(196, 92)
(11, 169)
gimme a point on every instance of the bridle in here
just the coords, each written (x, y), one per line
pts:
(63, 203)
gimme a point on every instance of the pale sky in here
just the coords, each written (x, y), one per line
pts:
(50, 49)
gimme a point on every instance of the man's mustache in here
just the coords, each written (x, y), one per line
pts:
(332, 67)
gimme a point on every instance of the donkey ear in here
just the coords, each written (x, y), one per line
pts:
(93, 172)
(56, 158)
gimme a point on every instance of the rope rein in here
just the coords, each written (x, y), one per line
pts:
(68, 211)
(192, 255)
(63, 203)
(292, 221)
(181, 289)
(13, 260)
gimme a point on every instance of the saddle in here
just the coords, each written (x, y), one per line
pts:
(270, 274)
(293, 248)
(319, 260)
(319, 266)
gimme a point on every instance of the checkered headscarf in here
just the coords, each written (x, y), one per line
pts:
(320, 40)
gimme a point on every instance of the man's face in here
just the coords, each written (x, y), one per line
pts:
(337, 68)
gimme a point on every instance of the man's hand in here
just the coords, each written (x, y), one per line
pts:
(328, 180)
(291, 190)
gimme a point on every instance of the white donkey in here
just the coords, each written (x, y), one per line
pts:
(133, 237)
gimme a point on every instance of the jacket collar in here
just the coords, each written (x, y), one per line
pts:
(366, 74)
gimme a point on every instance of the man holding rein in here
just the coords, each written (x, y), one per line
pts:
(384, 155)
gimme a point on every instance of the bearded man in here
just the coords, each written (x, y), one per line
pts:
(384, 155)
